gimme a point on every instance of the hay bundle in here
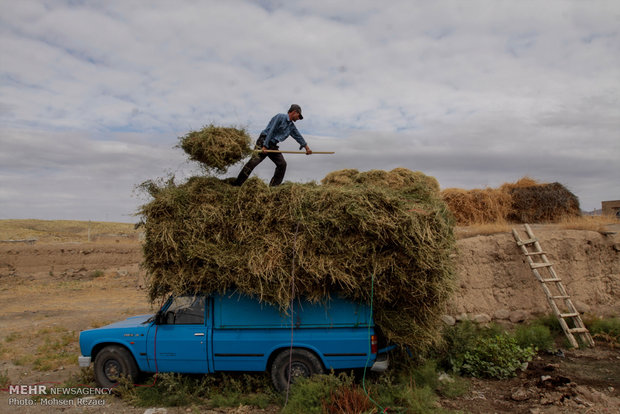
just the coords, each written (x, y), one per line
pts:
(414, 183)
(477, 206)
(206, 235)
(216, 147)
(536, 203)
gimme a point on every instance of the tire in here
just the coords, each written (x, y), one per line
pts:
(111, 363)
(303, 363)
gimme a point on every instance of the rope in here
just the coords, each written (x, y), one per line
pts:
(290, 351)
(372, 292)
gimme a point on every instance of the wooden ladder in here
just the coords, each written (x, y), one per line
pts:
(553, 288)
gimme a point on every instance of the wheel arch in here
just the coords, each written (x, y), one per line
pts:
(274, 354)
(97, 348)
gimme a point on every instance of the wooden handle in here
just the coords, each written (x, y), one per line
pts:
(297, 152)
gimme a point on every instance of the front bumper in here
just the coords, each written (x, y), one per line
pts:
(83, 361)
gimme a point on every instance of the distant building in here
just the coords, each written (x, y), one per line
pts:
(611, 208)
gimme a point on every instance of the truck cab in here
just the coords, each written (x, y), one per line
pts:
(204, 334)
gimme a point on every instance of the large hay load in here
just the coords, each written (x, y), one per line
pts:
(381, 235)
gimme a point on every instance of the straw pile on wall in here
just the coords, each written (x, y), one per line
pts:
(206, 235)
(478, 206)
(216, 147)
(525, 201)
(541, 202)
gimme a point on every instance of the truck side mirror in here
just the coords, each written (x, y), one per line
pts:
(159, 318)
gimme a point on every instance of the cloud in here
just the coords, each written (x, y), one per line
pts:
(70, 176)
(471, 93)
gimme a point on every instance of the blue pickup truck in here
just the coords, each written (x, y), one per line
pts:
(230, 332)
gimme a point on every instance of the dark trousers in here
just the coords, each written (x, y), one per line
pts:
(257, 158)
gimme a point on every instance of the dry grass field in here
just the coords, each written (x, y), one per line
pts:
(64, 230)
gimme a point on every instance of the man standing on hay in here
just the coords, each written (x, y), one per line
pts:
(279, 128)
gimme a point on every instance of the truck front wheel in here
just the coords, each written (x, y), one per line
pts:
(111, 363)
(302, 363)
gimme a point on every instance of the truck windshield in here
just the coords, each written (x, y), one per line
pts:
(185, 310)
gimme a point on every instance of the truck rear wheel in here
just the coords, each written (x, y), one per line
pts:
(302, 363)
(111, 363)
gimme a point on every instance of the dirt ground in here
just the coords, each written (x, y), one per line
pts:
(51, 291)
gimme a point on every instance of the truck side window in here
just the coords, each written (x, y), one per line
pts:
(186, 310)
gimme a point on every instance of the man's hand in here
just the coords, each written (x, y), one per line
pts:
(264, 150)
(308, 150)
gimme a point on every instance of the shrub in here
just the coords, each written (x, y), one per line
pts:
(234, 389)
(607, 330)
(427, 375)
(458, 340)
(536, 336)
(4, 379)
(610, 326)
(453, 387)
(168, 390)
(347, 399)
(498, 357)
(404, 397)
(308, 395)
(177, 390)
(551, 322)
(97, 273)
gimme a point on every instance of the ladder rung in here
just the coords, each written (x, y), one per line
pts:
(538, 265)
(571, 313)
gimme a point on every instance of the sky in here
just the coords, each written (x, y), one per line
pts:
(95, 94)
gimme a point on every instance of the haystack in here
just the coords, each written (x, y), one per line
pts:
(355, 237)
(537, 203)
(524, 201)
(216, 147)
(476, 206)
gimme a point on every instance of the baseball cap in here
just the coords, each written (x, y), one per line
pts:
(296, 108)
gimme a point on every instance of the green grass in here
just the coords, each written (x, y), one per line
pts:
(56, 347)
(409, 386)
(307, 395)
(551, 322)
(4, 379)
(218, 390)
(607, 329)
(537, 336)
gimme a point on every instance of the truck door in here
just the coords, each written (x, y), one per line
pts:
(179, 342)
